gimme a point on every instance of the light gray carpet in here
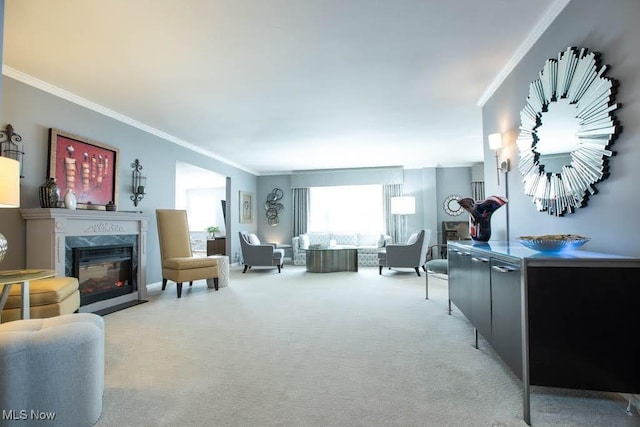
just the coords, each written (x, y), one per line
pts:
(304, 349)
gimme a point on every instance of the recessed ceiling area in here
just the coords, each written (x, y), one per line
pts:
(281, 85)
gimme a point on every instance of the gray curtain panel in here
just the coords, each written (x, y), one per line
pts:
(393, 223)
(477, 190)
(300, 210)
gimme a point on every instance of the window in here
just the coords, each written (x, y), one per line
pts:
(353, 208)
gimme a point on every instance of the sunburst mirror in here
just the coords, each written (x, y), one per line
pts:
(451, 205)
(566, 131)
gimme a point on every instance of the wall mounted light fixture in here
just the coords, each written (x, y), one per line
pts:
(9, 146)
(495, 143)
(138, 183)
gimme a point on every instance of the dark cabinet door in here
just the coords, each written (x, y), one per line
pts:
(506, 319)
(481, 294)
(453, 258)
(460, 295)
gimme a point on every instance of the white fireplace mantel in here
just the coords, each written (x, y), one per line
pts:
(47, 230)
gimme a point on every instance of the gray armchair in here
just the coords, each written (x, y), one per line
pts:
(259, 254)
(406, 255)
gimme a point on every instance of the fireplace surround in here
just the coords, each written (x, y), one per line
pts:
(52, 235)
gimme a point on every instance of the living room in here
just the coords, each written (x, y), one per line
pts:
(33, 107)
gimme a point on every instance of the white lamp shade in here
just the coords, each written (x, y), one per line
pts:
(495, 141)
(403, 205)
(9, 183)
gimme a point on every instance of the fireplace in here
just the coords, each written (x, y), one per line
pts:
(103, 272)
(52, 234)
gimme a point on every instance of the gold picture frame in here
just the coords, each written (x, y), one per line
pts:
(89, 168)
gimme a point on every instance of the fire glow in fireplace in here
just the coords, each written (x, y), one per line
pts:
(103, 272)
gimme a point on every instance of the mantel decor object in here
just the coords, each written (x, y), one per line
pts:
(567, 128)
(480, 215)
(49, 194)
(70, 201)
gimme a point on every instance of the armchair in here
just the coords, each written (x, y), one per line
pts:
(258, 254)
(406, 255)
(178, 263)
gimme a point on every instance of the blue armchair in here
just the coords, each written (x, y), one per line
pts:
(259, 254)
(406, 255)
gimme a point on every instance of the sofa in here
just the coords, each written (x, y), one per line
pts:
(368, 245)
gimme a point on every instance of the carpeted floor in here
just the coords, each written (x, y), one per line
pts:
(304, 349)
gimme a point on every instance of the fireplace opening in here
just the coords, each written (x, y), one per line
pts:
(103, 272)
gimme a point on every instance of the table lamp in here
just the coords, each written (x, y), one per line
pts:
(9, 192)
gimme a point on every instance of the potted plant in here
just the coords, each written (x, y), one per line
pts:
(212, 231)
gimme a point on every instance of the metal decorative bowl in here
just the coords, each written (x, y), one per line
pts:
(553, 242)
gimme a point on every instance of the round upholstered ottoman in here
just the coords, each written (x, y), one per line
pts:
(52, 368)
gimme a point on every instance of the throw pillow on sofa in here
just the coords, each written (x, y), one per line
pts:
(381, 241)
(253, 239)
(304, 241)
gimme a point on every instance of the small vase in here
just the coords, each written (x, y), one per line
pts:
(49, 194)
(480, 215)
(70, 201)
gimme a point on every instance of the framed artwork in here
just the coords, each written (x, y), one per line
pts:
(246, 207)
(89, 168)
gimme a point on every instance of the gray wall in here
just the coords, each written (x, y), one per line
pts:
(32, 112)
(610, 217)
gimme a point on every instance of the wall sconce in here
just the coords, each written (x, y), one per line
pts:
(9, 146)
(495, 143)
(138, 183)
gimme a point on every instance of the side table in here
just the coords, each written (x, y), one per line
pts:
(223, 271)
(22, 277)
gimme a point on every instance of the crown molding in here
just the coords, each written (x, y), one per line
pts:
(550, 15)
(90, 105)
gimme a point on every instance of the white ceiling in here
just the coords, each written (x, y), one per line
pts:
(281, 85)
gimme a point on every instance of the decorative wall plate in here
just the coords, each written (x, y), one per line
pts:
(577, 76)
(451, 205)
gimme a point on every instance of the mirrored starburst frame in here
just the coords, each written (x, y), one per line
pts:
(579, 77)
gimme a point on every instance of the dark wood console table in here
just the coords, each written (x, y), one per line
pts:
(557, 320)
(217, 246)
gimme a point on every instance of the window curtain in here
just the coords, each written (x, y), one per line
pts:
(300, 210)
(393, 223)
(477, 190)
